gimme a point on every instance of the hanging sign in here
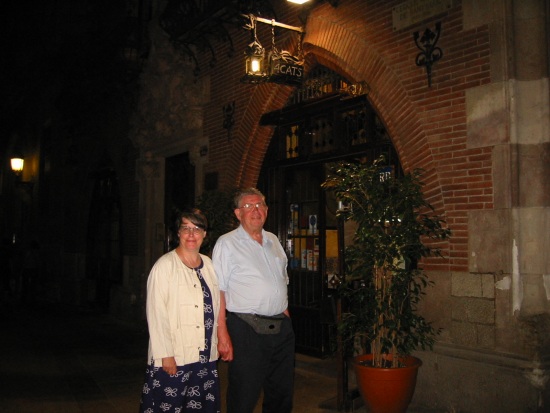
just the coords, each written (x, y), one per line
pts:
(285, 68)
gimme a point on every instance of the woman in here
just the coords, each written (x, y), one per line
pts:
(182, 315)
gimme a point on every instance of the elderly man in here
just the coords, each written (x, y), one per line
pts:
(258, 338)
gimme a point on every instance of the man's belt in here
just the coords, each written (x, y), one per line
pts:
(262, 324)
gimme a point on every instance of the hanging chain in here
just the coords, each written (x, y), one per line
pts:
(300, 40)
(273, 36)
(253, 25)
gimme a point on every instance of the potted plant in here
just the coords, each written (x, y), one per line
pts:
(384, 282)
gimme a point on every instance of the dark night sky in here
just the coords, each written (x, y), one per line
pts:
(60, 52)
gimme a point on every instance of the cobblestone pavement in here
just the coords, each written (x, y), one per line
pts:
(59, 359)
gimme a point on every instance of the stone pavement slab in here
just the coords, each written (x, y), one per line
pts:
(60, 359)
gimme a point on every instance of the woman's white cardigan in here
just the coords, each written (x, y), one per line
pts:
(175, 313)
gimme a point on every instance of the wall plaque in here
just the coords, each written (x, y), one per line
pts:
(412, 12)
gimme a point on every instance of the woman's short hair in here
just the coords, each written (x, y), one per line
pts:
(194, 216)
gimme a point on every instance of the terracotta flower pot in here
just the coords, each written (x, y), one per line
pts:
(386, 390)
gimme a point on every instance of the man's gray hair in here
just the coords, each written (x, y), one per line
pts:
(245, 192)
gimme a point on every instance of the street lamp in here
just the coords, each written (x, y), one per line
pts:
(17, 163)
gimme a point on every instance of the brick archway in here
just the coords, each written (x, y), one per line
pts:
(352, 57)
(253, 138)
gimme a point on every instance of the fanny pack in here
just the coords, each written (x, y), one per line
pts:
(263, 324)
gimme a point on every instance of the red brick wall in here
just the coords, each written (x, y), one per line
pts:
(427, 125)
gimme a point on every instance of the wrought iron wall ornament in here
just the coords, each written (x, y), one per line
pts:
(228, 118)
(430, 53)
(200, 25)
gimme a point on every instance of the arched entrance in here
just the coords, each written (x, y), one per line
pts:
(324, 122)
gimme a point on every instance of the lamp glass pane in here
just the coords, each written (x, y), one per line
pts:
(17, 164)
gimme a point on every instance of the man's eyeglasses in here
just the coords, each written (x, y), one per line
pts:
(250, 207)
(191, 230)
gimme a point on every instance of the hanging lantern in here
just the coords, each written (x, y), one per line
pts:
(255, 63)
(256, 71)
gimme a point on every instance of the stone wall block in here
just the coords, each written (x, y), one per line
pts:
(490, 241)
(503, 184)
(481, 311)
(477, 13)
(458, 312)
(545, 241)
(510, 334)
(533, 246)
(488, 286)
(530, 126)
(466, 285)
(474, 310)
(487, 115)
(464, 334)
(530, 45)
(435, 304)
(535, 298)
(534, 182)
(485, 336)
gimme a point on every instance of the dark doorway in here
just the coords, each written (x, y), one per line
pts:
(310, 135)
(104, 245)
(179, 191)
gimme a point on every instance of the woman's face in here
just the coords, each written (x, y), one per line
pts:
(190, 236)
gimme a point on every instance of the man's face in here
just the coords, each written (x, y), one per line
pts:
(252, 213)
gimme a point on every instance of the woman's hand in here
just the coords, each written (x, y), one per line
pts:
(225, 347)
(169, 365)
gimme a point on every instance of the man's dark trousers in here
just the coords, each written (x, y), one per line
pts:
(260, 361)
